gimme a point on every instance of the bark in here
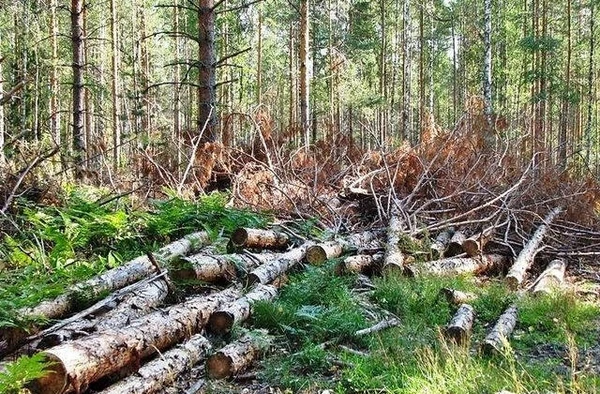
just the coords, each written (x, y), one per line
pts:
(236, 356)
(362, 263)
(455, 245)
(438, 247)
(459, 329)
(114, 86)
(487, 68)
(77, 67)
(498, 337)
(133, 306)
(54, 86)
(2, 125)
(457, 297)
(457, 266)
(474, 245)
(271, 270)
(303, 57)
(78, 363)
(318, 254)
(382, 325)
(221, 321)
(259, 239)
(552, 277)
(525, 259)
(393, 259)
(154, 376)
(214, 268)
(109, 281)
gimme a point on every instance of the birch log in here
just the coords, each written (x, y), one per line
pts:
(438, 247)
(271, 270)
(459, 328)
(214, 268)
(359, 264)
(108, 282)
(221, 321)
(455, 245)
(457, 265)
(235, 357)
(474, 245)
(457, 297)
(393, 260)
(320, 253)
(498, 337)
(154, 376)
(78, 363)
(132, 307)
(552, 277)
(259, 239)
(525, 259)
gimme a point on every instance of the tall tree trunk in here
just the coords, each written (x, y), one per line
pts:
(590, 77)
(304, 63)
(259, 60)
(382, 74)
(564, 115)
(406, 74)
(87, 96)
(421, 69)
(206, 74)
(177, 92)
(77, 41)
(487, 67)
(2, 158)
(116, 150)
(293, 79)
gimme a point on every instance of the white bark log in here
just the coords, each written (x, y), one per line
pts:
(438, 247)
(457, 265)
(498, 337)
(552, 278)
(259, 239)
(214, 268)
(393, 260)
(320, 253)
(271, 270)
(359, 264)
(459, 328)
(455, 245)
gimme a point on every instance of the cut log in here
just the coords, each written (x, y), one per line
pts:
(130, 308)
(459, 329)
(525, 259)
(320, 253)
(457, 297)
(259, 239)
(154, 376)
(498, 337)
(221, 321)
(361, 263)
(237, 356)
(214, 268)
(271, 270)
(457, 265)
(552, 278)
(438, 247)
(382, 325)
(108, 282)
(474, 245)
(393, 259)
(78, 363)
(455, 246)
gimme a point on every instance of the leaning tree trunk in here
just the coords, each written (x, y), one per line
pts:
(77, 364)
(525, 259)
(457, 265)
(155, 376)
(496, 340)
(236, 356)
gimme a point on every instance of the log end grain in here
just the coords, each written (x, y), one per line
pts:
(239, 237)
(471, 247)
(54, 382)
(219, 366)
(220, 323)
(316, 255)
(513, 281)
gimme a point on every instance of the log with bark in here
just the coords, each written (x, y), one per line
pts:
(474, 245)
(393, 260)
(382, 325)
(107, 282)
(215, 268)
(154, 376)
(237, 356)
(457, 265)
(552, 278)
(455, 246)
(457, 297)
(271, 270)
(525, 259)
(459, 328)
(438, 247)
(362, 263)
(496, 340)
(259, 239)
(131, 307)
(77, 363)
(222, 321)
(320, 253)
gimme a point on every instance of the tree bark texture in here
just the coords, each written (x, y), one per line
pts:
(259, 239)
(457, 297)
(221, 321)
(552, 277)
(457, 265)
(206, 71)
(78, 363)
(393, 259)
(438, 247)
(362, 263)
(154, 376)
(303, 55)
(320, 253)
(498, 337)
(525, 259)
(77, 67)
(271, 270)
(459, 328)
(236, 356)
(114, 86)
(214, 268)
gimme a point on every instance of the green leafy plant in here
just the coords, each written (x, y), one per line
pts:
(17, 373)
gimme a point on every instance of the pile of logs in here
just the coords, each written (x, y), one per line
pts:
(142, 316)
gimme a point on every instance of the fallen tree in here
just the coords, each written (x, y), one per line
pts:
(552, 277)
(271, 270)
(457, 265)
(320, 253)
(474, 245)
(214, 268)
(258, 239)
(154, 376)
(459, 328)
(236, 356)
(74, 365)
(525, 259)
(439, 245)
(496, 340)
(393, 259)
(359, 264)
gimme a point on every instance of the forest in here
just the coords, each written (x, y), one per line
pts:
(326, 196)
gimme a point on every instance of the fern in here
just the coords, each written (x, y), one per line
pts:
(25, 369)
